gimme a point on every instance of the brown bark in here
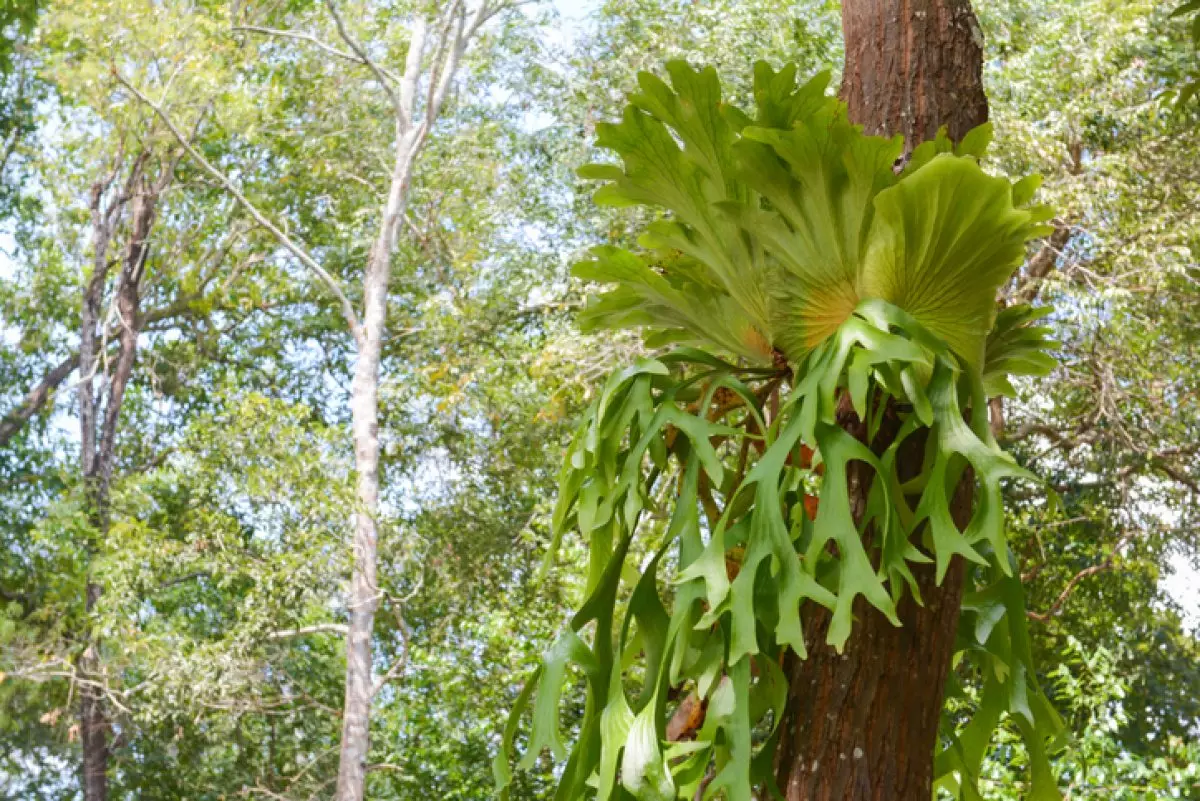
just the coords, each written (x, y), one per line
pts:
(93, 721)
(913, 66)
(99, 413)
(863, 724)
(1029, 284)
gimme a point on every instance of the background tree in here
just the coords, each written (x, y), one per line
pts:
(132, 169)
(416, 96)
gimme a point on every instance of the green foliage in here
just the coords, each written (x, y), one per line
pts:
(484, 377)
(17, 18)
(1016, 346)
(1093, 695)
(853, 283)
(1120, 166)
(1190, 14)
(782, 223)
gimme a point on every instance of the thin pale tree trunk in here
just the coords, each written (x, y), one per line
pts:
(864, 724)
(455, 28)
(364, 408)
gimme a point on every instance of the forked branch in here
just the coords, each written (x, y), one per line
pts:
(304, 36)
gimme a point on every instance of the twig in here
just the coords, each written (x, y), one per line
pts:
(402, 661)
(302, 36)
(291, 781)
(260, 790)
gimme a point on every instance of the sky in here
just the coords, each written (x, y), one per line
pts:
(1183, 585)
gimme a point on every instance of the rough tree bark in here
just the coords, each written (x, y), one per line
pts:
(99, 413)
(913, 66)
(863, 724)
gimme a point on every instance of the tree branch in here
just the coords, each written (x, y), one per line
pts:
(412, 73)
(384, 78)
(453, 44)
(296, 250)
(175, 582)
(402, 661)
(1158, 460)
(1107, 564)
(35, 399)
(1042, 263)
(302, 36)
(318, 628)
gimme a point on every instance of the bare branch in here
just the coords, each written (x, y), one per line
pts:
(402, 661)
(1107, 564)
(296, 250)
(260, 790)
(453, 13)
(291, 782)
(486, 11)
(1158, 460)
(36, 398)
(454, 44)
(384, 79)
(302, 36)
(184, 579)
(319, 628)
(1042, 263)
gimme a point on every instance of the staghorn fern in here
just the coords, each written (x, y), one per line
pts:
(795, 269)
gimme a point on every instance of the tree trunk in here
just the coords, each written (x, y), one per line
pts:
(98, 431)
(93, 722)
(364, 407)
(864, 724)
(913, 66)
